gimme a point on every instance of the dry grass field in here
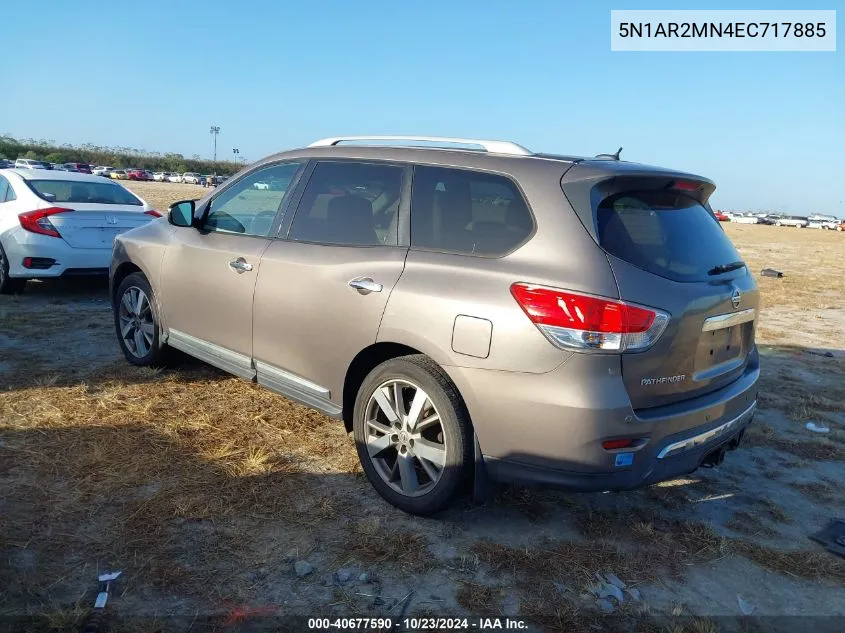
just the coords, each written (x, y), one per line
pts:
(207, 491)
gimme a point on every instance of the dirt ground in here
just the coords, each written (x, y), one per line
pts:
(225, 504)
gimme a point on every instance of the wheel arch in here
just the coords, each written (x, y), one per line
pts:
(122, 271)
(364, 362)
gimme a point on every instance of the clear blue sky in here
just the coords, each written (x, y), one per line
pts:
(769, 128)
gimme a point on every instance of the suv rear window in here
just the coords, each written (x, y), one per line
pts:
(82, 192)
(665, 233)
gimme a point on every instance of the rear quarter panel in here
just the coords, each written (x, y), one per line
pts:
(437, 287)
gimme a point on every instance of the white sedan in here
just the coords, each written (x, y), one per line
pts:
(745, 219)
(59, 223)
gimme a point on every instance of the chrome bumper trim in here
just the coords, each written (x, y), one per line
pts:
(728, 320)
(696, 441)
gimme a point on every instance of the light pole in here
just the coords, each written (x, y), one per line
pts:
(214, 131)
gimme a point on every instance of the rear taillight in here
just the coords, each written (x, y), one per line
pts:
(576, 321)
(153, 213)
(39, 221)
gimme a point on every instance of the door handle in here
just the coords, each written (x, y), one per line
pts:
(365, 285)
(240, 265)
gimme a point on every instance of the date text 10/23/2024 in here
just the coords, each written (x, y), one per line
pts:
(417, 624)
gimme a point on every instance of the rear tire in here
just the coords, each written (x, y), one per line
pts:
(136, 323)
(8, 285)
(418, 454)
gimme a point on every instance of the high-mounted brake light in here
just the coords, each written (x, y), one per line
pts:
(39, 221)
(577, 321)
(153, 213)
(686, 185)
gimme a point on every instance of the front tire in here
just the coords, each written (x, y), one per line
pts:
(136, 323)
(413, 434)
(8, 285)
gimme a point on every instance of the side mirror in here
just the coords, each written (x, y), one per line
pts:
(182, 213)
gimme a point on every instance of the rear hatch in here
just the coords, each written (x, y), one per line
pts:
(667, 251)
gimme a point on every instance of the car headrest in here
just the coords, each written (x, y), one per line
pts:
(351, 210)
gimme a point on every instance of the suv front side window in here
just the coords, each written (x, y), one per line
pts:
(467, 212)
(350, 204)
(249, 209)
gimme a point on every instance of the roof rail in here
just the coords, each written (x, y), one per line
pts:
(494, 147)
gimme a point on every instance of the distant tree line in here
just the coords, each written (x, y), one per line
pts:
(119, 157)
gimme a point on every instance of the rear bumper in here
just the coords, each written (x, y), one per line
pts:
(19, 244)
(548, 428)
(700, 447)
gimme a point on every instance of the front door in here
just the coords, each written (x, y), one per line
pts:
(321, 292)
(208, 274)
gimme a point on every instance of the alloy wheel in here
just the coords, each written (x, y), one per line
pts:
(135, 316)
(405, 437)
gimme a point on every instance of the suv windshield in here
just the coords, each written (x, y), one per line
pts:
(82, 192)
(665, 233)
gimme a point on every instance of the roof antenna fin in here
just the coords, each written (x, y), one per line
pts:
(611, 156)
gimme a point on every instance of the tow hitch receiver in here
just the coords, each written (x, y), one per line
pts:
(715, 458)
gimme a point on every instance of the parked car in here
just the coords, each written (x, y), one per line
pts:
(5, 163)
(60, 223)
(137, 174)
(82, 168)
(792, 220)
(542, 340)
(840, 226)
(744, 218)
(827, 222)
(191, 178)
(172, 177)
(102, 171)
(721, 216)
(30, 163)
(764, 218)
(118, 174)
(159, 176)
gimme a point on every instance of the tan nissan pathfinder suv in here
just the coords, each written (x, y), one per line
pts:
(466, 308)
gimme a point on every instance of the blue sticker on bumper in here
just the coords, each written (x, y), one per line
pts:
(624, 459)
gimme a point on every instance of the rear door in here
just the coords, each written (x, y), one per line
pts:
(667, 251)
(322, 291)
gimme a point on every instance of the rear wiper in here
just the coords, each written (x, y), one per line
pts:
(725, 268)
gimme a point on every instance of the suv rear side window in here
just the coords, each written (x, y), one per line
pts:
(350, 204)
(467, 212)
(665, 233)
